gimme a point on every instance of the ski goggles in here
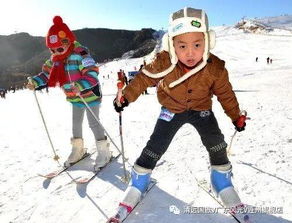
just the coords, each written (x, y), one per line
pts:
(57, 50)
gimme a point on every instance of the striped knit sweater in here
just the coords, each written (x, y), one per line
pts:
(81, 69)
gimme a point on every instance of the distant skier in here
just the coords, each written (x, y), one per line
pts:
(257, 59)
(122, 77)
(271, 61)
(2, 93)
(74, 70)
(268, 60)
(186, 75)
(12, 88)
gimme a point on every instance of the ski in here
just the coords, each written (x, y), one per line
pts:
(116, 218)
(204, 186)
(56, 173)
(85, 180)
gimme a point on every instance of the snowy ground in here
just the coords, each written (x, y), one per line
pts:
(261, 155)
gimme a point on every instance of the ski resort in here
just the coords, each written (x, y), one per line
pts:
(39, 183)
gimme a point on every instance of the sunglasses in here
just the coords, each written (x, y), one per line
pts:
(59, 50)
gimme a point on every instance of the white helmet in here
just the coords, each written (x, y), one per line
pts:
(184, 21)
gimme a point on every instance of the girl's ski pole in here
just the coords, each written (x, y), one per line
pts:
(56, 157)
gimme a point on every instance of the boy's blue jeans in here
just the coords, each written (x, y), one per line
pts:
(166, 127)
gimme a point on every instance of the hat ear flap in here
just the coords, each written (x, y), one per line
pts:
(212, 39)
(167, 45)
(172, 54)
(164, 43)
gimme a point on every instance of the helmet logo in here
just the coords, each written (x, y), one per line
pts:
(196, 23)
(177, 27)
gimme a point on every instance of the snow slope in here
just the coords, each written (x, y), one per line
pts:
(261, 155)
(278, 26)
(282, 22)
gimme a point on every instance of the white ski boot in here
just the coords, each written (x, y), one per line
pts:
(78, 151)
(103, 154)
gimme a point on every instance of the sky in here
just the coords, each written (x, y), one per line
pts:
(35, 16)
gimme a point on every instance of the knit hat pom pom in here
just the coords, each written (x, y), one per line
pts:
(57, 20)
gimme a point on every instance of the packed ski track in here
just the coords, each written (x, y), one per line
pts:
(261, 155)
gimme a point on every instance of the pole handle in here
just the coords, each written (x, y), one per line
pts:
(240, 122)
(120, 85)
(120, 98)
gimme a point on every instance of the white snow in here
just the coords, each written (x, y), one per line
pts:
(261, 155)
(283, 22)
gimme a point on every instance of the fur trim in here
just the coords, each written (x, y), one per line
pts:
(180, 26)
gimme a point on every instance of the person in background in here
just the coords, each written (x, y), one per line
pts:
(122, 77)
(2, 93)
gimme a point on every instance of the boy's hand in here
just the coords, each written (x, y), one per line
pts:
(240, 122)
(239, 128)
(120, 104)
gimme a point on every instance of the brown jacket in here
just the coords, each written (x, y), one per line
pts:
(195, 93)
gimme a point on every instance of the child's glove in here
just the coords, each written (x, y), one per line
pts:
(240, 123)
(30, 85)
(120, 104)
(74, 89)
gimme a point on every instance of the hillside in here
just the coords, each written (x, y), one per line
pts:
(279, 25)
(22, 54)
(278, 22)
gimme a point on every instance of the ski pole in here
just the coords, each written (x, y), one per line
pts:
(240, 123)
(56, 157)
(106, 132)
(120, 86)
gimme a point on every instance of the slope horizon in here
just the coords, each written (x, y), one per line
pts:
(277, 21)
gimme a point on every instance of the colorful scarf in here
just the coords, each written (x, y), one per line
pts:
(57, 73)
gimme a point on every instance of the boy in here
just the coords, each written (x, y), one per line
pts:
(187, 76)
(74, 70)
